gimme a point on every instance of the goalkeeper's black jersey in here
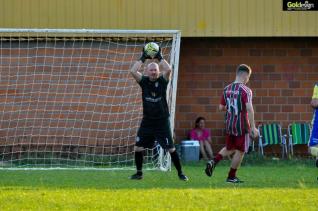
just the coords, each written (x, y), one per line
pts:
(154, 99)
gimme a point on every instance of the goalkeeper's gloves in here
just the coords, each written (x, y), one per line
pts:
(159, 55)
(144, 56)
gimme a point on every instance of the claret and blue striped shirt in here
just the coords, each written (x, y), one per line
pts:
(234, 98)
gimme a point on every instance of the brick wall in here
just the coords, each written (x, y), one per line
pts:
(284, 73)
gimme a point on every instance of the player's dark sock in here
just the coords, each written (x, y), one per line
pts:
(138, 161)
(217, 158)
(232, 173)
(176, 161)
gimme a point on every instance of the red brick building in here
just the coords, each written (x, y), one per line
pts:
(281, 47)
(284, 73)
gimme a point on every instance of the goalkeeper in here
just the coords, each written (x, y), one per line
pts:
(155, 125)
(313, 142)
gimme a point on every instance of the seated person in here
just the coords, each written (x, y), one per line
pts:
(203, 135)
(313, 142)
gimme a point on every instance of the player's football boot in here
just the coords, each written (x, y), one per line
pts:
(136, 176)
(234, 180)
(210, 166)
(183, 177)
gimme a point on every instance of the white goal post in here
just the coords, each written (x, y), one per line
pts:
(67, 99)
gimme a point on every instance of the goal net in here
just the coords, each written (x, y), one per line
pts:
(67, 99)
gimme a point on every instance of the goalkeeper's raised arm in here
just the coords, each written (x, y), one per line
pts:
(165, 67)
(137, 65)
(134, 71)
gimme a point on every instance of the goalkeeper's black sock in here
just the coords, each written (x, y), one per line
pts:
(176, 161)
(138, 161)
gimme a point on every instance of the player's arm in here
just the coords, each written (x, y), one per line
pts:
(134, 71)
(314, 103)
(165, 67)
(222, 105)
(250, 112)
(247, 99)
(166, 70)
(314, 100)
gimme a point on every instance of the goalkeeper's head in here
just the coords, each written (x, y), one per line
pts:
(243, 73)
(153, 71)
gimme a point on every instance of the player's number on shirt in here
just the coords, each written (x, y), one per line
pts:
(232, 105)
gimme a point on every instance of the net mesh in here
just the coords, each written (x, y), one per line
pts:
(68, 100)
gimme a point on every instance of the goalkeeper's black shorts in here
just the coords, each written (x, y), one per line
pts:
(152, 131)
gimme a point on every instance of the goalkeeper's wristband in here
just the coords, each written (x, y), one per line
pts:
(142, 58)
(159, 57)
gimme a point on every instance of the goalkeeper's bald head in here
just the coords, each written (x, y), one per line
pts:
(152, 71)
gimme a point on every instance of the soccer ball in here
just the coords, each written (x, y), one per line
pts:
(151, 49)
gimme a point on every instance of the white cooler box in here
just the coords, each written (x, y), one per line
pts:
(190, 150)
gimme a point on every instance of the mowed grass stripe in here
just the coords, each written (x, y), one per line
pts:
(283, 185)
(160, 199)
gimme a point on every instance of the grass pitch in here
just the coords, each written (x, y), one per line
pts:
(268, 186)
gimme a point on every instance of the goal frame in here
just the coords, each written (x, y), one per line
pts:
(174, 59)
